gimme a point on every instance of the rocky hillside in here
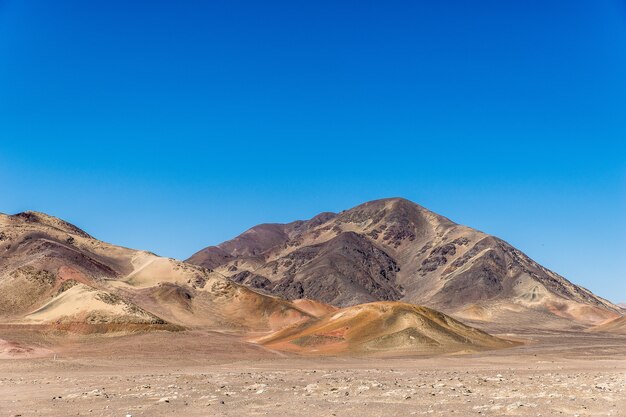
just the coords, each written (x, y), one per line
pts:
(394, 249)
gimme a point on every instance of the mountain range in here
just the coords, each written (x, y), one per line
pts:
(385, 276)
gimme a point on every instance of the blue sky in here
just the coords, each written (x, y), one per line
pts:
(169, 126)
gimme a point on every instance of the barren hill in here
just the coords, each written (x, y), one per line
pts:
(381, 327)
(393, 249)
(51, 272)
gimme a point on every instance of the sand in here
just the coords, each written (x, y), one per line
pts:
(204, 373)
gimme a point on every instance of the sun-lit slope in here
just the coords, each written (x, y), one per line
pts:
(42, 258)
(617, 325)
(382, 327)
(196, 297)
(218, 303)
(83, 304)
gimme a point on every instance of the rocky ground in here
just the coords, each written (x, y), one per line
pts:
(554, 375)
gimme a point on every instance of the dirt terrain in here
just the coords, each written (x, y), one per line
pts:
(204, 373)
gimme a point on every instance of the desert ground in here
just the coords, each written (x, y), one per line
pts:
(201, 373)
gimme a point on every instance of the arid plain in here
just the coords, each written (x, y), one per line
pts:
(208, 374)
(386, 309)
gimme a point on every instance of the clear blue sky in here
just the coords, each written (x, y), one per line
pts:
(169, 126)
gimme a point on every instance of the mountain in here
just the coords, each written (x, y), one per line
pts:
(53, 273)
(394, 249)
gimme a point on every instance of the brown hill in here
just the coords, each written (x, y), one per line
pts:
(381, 327)
(393, 249)
(54, 273)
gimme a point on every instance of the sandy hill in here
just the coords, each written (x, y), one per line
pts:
(393, 249)
(51, 272)
(381, 327)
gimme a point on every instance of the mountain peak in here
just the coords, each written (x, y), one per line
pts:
(395, 209)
